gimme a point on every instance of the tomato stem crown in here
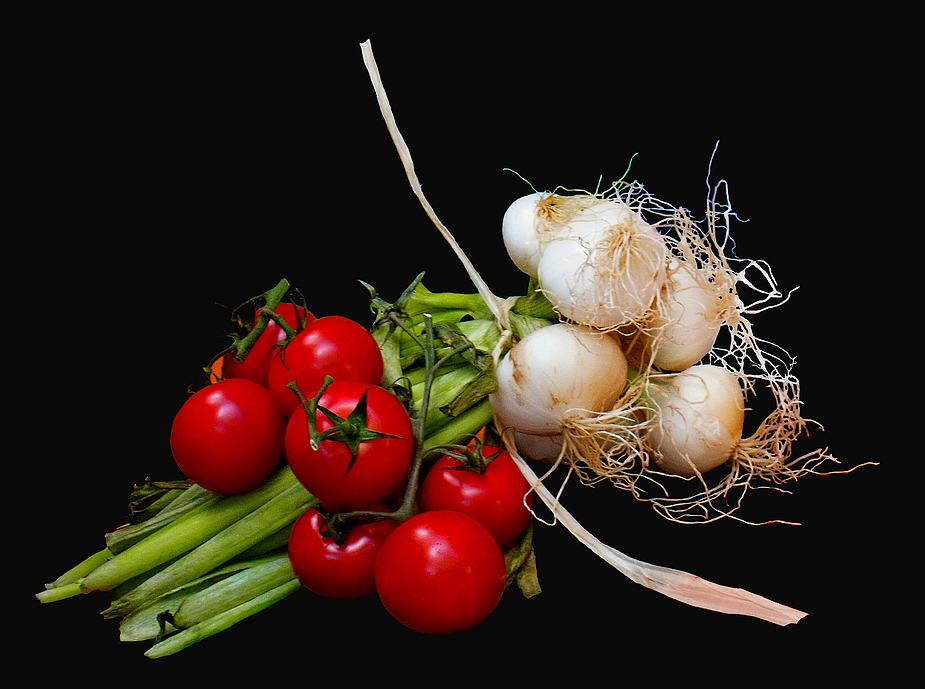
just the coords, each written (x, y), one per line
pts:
(246, 335)
(471, 458)
(350, 430)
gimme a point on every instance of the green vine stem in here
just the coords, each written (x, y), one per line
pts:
(272, 299)
(456, 429)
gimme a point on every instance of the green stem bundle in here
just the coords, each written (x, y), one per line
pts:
(222, 621)
(280, 510)
(232, 591)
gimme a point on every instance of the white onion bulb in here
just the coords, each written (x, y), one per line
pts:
(606, 269)
(555, 369)
(690, 318)
(699, 419)
(519, 229)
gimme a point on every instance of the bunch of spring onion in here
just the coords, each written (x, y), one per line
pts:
(190, 563)
(662, 300)
(634, 383)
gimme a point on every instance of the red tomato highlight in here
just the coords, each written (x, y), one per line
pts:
(332, 570)
(229, 436)
(440, 572)
(330, 346)
(330, 473)
(494, 498)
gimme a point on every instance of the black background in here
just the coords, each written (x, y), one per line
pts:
(173, 163)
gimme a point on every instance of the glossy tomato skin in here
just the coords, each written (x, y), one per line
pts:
(381, 463)
(332, 570)
(494, 498)
(440, 572)
(330, 346)
(229, 436)
(256, 365)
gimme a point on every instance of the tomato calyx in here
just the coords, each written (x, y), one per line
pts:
(337, 525)
(350, 430)
(334, 525)
(472, 458)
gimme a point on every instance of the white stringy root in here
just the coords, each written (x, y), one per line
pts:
(612, 445)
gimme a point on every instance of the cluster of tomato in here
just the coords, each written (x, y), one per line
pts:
(439, 571)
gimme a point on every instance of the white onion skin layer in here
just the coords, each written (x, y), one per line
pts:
(606, 269)
(699, 419)
(555, 369)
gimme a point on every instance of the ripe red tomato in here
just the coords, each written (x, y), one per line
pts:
(494, 498)
(440, 572)
(332, 570)
(228, 437)
(329, 473)
(256, 365)
(330, 346)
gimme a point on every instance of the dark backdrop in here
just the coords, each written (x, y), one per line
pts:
(174, 168)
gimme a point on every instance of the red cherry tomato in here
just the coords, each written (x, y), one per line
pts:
(494, 498)
(228, 437)
(338, 570)
(329, 473)
(330, 346)
(256, 365)
(440, 572)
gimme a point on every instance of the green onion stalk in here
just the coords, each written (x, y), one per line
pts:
(191, 563)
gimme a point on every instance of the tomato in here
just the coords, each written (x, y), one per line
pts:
(494, 498)
(440, 572)
(330, 346)
(330, 473)
(256, 365)
(338, 571)
(229, 436)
